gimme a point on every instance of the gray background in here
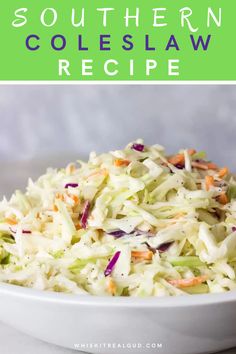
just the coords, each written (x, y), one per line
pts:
(38, 120)
(49, 125)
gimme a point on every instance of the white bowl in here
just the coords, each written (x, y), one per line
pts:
(172, 325)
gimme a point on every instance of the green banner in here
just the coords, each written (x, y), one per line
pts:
(117, 40)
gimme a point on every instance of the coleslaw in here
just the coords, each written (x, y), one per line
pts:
(132, 222)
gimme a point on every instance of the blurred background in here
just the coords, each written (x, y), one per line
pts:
(51, 125)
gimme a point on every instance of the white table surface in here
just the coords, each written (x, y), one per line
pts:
(12, 341)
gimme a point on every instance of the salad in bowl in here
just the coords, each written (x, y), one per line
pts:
(131, 222)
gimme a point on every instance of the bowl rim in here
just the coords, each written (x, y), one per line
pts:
(90, 300)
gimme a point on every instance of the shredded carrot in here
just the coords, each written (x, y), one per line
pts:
(179, 215)
(176, 159)
(78, 227)
(55, 208)
(11, 221)
(222, 198)
(199, 165)
(191, 152)
(60, 196)
(184, 283)
(209, 182)
(111, 287)
(179, 159)
(71, 168)
(203, 165)
(146, 255)
(75, 198)
(223, 171)
(211, 166)
(102, 172)
(120, 162)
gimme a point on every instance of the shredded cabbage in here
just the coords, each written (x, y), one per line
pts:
(171, 233)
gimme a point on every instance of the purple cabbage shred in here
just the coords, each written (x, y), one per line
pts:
(85, 215)
(161, 249)
(72, 185)
(112, 264)
(117, 233)
(138, 147)
(164, 247)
